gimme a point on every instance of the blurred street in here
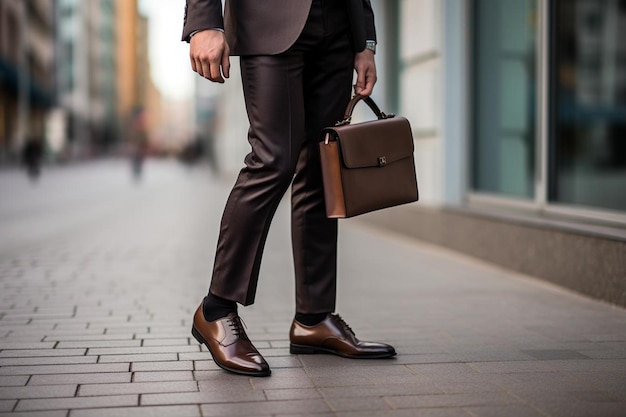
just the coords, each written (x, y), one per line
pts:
(100, 275)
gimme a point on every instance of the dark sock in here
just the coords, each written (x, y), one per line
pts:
(311, 319)
(215, 307)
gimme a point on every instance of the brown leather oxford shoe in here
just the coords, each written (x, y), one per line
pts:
(333, 335)
(229, 345)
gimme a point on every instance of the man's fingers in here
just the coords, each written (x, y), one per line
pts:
(209, 55)
(365, 67)
(215, 74)
(370, 80)
(360, 82)
(226, 64)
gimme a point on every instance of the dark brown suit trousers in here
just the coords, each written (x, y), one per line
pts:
(297, 59)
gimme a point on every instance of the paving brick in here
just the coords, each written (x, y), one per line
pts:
(53, 413)
(186, 332)
(7, 405)
(264, 408)
(195, 356)
(424, 412)
(291, 361)
(60, 369)
(183, 341)
(340, 381)
(162, 366)
(512, 367)
(459, 387)
(69, 326)
(13, 380)
(163, 376)
(207, 365)
(399, 379)
(77, 402)
(169, 411)
(76, 337)
(112, 330)
(142, 350)
(268, 353)
(42, 352)
(381, 390)
(283, 378)
(205, 397)
(137, 388)
(48, 360)
(358, 404)
(207, 375)
(18, 336)
(292, 394)
(25, 345)
(308, 415)
(506, 410)
(279, 343)
(99, 344)
(145, 357)
(87, 378)
(43, 391)
(450, 400)
(446, 369)
(18, 321)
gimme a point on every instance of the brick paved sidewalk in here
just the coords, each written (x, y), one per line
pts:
(99, 278)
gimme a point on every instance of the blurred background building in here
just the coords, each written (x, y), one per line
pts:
(518, 111)
(27, 68)
(139, 102)
(75, 76)
(86, 75)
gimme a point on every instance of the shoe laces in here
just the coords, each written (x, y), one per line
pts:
(238, 327)
(342, 322)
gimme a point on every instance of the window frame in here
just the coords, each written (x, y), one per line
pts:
(544, 129)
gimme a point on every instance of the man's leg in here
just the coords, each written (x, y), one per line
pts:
(274, 102)
(327, 86)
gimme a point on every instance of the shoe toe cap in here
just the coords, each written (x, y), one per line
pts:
(252, 362)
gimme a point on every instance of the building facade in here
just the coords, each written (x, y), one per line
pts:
(27, 87)
(518, 110)
(138, 100)
(86, 77)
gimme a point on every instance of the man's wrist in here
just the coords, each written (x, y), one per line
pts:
(370, 45)
(202, 30)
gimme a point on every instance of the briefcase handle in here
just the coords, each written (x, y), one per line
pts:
(347, 117)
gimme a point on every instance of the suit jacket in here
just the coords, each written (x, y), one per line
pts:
(269, 27)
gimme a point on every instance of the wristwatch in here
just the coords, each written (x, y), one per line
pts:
(371, 45)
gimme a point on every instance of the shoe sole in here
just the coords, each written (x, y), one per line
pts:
(196, 334)
(309, 350)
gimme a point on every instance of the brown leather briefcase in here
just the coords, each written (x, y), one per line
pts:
(367, 166)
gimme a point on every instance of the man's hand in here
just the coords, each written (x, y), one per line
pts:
(209, 52)
(365, 73)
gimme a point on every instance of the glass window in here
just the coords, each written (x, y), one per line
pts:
(588, 140)
(504, 97)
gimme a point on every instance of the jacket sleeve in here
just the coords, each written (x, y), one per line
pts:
(201, 15)
(370, 28)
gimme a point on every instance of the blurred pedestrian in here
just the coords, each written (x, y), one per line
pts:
(32, 155)
(140, 143)
(297, 62)
(138, 155)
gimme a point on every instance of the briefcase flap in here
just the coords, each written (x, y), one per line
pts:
(376, 143)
